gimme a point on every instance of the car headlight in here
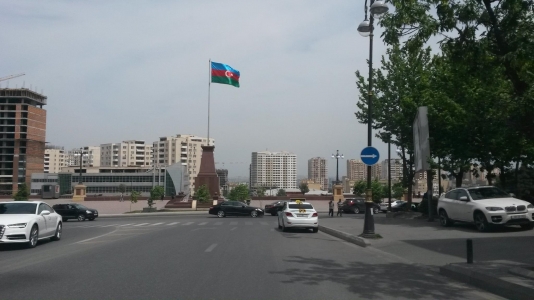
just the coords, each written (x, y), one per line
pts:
(88, 211)
(493, 208)
(530, 206)
(18, 225)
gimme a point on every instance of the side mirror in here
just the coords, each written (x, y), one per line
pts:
(45, 213)
(464, 198)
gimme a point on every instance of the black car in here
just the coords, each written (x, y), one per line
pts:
(235, 208)
(402, 207)
(273, 207)
(75, 211)
(358, 206)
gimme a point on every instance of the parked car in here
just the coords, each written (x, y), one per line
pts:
(235, 208)
(402, 206)
(27, 222)
(485, 206)
(299, 215)
(273, 207)
(75, 211)
(354, 205)
(385, 205)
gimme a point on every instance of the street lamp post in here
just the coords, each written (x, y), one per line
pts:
(337, 156)
(81, 155)
(377, 9)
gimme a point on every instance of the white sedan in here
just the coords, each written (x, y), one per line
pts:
(27, 222)
(299, 215)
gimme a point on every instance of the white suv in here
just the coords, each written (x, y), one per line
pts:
(484, 206)
(298, 214)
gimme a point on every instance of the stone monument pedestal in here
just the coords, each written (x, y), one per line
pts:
(79, 193)
(337, 192)
(207, 174)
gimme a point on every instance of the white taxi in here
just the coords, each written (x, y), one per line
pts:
(298, 214)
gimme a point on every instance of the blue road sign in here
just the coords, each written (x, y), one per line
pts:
(369, 156)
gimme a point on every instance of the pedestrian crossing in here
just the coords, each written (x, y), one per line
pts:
(169, 224)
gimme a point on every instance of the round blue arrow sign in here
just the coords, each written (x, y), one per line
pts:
(369, 156)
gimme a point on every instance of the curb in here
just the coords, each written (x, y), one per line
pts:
(345, 236)
(486, 281)
(193, 212)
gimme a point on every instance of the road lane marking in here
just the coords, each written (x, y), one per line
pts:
(218, 223)
(125, 225)
(109, 225)
(188, 223)
(248, 223)
(203, 223)
(233, 229)
(96, 237)
(210, 248)
(173, 223)
(142, 224)
(155, 224)
(233, 223)
(264, 223)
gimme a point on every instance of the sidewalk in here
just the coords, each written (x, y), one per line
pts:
(426, 243)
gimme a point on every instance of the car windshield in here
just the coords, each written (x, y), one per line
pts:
(487, 193)
(300, 206)
(17, 208)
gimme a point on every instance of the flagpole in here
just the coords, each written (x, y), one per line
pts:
(209, 91)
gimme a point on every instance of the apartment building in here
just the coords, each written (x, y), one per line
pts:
(54, 159)
(125, 154)
(274, 169)
(22, 137)
(396, 169)
(182, 148)
(318, 172)
(356, 170)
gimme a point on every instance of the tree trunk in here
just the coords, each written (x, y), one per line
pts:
(459, 178)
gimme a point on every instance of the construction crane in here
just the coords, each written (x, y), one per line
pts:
(11, 76)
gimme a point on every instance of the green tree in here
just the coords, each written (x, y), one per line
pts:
(134, 195)
(281, 192)
(239, 193)
(304, 188)
(378, 191)
(359, 188)
(23, 193)
(156, 193)
(260, 191)
(202, 194)
(398, 190)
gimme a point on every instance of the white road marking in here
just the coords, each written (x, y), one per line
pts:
(210, 248)
(125, 225)
(203, 223)
(141, 224)
(233, 228)
(155, 224)
(173, 223)
(108, 225)
(188, 223)
(264, 223)
(96, 237)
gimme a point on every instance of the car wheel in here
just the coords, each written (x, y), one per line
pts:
(480, 222)
(444, 219)
(376, 210)
(527, 226)
(253, 213)
(57, 236)
(315, 230)
(92, 219)
(221, 214)
(356, 210)
(80, 218)
(34, 236)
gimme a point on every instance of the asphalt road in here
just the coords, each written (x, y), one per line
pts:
(202, 257)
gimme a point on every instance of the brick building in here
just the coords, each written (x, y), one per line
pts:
(22, 137)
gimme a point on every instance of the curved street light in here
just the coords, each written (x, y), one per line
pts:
(377, 9)
(337, 156)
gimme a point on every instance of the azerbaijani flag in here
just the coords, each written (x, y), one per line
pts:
(221, 73)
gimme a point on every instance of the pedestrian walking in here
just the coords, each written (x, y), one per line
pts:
(331, 208)
(340, 208)
(121, 199)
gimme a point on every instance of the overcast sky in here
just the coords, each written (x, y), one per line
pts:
(123, 70)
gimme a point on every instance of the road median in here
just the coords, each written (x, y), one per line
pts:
(362, 242)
